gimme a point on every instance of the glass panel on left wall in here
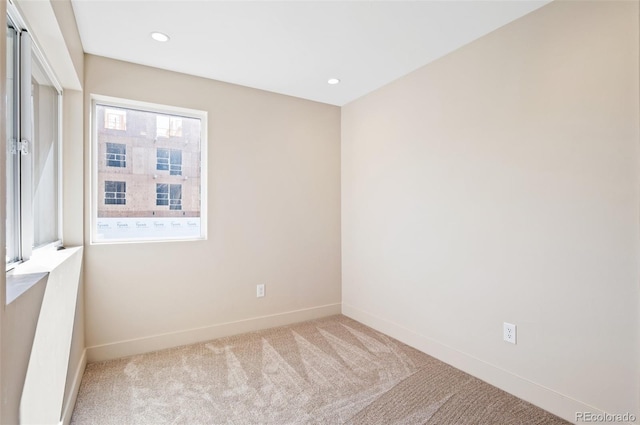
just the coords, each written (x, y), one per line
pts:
(44, 105)
(32, 144)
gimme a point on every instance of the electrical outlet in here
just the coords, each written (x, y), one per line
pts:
(509, 332)
(260, 290)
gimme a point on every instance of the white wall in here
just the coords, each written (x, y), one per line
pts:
(500, 183)
(73, 226)
(273, 218)
(43, 395)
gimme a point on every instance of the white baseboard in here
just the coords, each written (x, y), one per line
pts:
(175, 339)
(67, 410)
(545, 398)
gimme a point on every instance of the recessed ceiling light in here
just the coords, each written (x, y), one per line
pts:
(333, 81)
(158, 36)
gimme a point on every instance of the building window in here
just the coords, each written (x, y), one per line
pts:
(116, 155)
(115, 119)
(169, 160)
(169, 195)
(162, 194)
(168, 126)
(32, 164)
(115, 193)
(172, 166)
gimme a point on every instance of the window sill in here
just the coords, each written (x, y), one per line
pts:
(18, 284)
(25, 276)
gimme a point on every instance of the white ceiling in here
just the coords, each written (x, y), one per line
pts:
(291, 47)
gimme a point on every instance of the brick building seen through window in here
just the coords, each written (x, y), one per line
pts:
(148, 163)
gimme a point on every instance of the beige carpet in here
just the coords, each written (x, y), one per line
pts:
(327, 371)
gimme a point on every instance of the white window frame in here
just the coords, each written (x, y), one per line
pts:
(23, 227)
(97, 194)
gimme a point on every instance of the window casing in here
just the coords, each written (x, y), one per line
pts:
(33, 116)
(148, 179)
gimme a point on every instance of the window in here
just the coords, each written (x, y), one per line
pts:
(115, 192)
(116, 155)
(169, 160)
(115, 119)
(175, 197)
(169, 195)
(157, 191)
(32, 145)
(168, 126)
(162, 194)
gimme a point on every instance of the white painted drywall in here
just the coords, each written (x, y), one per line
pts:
(52, 27)
(43, 394)
(273, 218)
(73, 228)
(68, 27)
(500, 183)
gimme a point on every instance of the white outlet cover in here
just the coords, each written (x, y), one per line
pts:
(509, 332)
(260, 291)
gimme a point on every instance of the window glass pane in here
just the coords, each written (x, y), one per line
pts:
(162, 159)
(175, 129)
(115, 193)
(162, 194)
(175, 197)
(115, 119)
(162, 176)
(44, 108)
(116, 155)
(12, 161)
(162, 126)
(175, 168)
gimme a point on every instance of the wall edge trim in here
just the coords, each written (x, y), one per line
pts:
(548, 399)
(67, 411)
(192, 336)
